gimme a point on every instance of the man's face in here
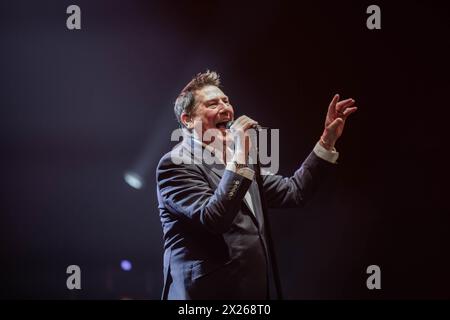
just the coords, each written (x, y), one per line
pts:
(213, 110)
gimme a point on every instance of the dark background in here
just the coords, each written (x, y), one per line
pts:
(79, 108)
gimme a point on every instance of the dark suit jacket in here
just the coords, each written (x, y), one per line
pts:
(215, 247)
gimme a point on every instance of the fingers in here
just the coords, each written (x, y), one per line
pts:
(243, 123)
(333, 103)
(240, 133)
(349, 111)
(342, 105)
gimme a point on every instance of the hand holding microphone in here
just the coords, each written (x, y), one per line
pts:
(255, 126)
(242, 143)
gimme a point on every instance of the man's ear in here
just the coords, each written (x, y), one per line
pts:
(186, 120)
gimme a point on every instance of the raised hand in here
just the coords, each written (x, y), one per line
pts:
(337, 114)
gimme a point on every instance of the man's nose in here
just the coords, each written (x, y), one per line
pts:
(225, 108)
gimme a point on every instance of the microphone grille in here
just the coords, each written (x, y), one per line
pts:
(229, 124)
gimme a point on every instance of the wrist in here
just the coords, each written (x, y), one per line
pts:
(239, 157)
(326, 143)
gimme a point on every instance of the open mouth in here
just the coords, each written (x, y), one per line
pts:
(222, 125)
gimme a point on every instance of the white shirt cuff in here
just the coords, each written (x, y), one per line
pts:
(245, 172)
(327, 155)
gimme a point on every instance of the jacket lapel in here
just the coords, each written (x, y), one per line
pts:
(256, 201)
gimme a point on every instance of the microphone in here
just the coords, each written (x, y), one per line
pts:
(256, 126)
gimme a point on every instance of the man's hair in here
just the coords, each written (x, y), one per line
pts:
(186, 99)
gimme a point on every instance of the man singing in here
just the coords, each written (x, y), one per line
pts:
(211, 212)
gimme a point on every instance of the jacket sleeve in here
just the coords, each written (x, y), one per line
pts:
(295, 191)
(184, 190)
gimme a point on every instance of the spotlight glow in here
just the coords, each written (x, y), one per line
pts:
(126, 265)
(134, 180)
